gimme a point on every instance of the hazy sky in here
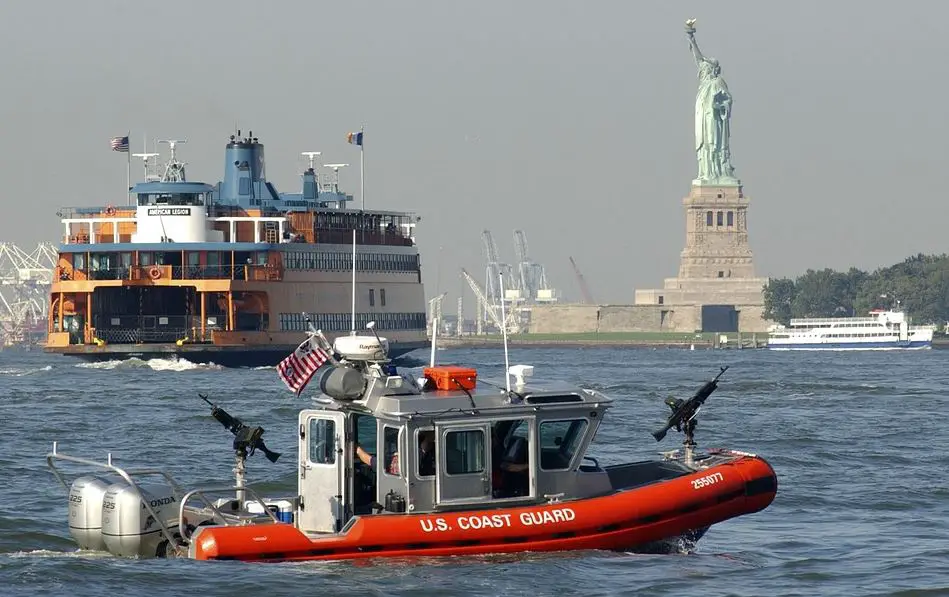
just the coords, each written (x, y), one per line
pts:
(570, 120)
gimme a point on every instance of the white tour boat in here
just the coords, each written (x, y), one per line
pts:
(881, 330)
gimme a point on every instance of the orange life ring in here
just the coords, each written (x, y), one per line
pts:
(154, 273)
(109, 211)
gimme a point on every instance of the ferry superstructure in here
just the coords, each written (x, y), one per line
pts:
(881, 330)
(232, 273)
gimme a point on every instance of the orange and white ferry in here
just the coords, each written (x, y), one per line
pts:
(225, 273)
(446, 464)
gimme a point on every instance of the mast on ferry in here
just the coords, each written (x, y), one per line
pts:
(174, 170)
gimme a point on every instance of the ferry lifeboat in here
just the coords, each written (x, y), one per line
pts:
(444, 464)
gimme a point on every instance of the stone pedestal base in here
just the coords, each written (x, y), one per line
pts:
(716, 267)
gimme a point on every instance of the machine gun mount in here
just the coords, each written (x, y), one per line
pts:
(684, 412)
(247, 440)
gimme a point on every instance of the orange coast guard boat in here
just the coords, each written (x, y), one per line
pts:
(446, 464)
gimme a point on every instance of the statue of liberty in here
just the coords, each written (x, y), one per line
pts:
(713, 111)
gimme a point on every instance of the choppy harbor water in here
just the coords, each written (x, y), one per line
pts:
(859, 442)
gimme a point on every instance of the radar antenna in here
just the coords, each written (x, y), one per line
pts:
(145, 158)
(174, 170)
(311, 155)
(335, 180)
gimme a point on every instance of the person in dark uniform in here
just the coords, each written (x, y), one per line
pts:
(426, 453)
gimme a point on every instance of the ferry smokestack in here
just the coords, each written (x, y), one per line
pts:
(244, 174)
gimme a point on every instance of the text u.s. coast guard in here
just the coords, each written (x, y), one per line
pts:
(497, 521)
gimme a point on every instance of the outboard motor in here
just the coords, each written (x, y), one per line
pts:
(85, 512)
(128, 529)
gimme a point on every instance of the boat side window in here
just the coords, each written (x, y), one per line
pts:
(322, 445)
(559, 441)
(510, 458)
(79, 261)
(366, 433)
(425, 452)
(390, 450)
(144, 259)
(464, 452)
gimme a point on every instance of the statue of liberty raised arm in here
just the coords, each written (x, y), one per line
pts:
(713, 111)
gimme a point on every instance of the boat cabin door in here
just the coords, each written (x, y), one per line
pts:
(463, 472)
(325, 499)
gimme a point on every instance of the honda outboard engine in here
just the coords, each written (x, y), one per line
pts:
(85, 512)
(128, 529)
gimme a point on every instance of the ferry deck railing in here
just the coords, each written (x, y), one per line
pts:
(144, 329)
(830, 320)
(246, 272)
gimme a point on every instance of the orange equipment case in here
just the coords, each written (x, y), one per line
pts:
(444, 374)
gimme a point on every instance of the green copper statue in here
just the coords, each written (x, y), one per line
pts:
(713, 111)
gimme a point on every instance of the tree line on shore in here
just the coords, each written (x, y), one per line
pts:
(920, 284)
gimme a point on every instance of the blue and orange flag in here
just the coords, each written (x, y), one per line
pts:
(355, 138)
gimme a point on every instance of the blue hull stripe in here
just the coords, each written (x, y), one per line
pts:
(893, 345)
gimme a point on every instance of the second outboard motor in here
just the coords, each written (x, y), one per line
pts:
(128, 529)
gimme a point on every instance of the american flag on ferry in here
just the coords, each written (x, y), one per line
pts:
(297, 369)
(120, 143)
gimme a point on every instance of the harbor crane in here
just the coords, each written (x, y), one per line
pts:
(511, 322)
(25, 280)
(435, 312)
(584, 289)
(532, 276)
(493, 269)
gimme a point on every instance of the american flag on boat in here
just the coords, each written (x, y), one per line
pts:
(120, 143)
(297, 370)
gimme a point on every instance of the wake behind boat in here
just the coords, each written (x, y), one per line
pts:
(881, 330)
(446, 464)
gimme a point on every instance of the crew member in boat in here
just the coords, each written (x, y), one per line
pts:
(426, 453)
(426, 456)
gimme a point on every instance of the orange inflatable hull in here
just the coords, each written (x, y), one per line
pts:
(621, 520)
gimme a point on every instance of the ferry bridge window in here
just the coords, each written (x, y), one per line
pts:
(322, 442)
(464, 452)
(559, 441)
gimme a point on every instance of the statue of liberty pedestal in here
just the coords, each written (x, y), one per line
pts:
(713, 111)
